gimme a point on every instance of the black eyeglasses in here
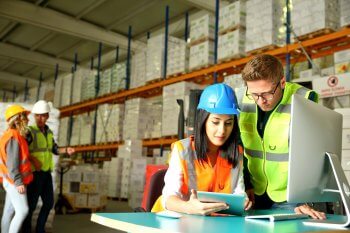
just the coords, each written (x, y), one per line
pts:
(265, 95)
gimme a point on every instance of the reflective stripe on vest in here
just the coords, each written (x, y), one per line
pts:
(41, 147)
(222, 178)
(268, 156)
(24, 163)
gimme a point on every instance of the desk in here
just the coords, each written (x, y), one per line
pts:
(149, 223)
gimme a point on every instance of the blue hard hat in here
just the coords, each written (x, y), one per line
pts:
(218, 99)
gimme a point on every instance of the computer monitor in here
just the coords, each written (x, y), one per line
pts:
(315, 173)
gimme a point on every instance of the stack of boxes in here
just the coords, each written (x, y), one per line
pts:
(234, 81)
(138, 69)
(63, 132)
(86, 127)
(118, 77)
(78, 77)
(66, 91)
(85, 187)
(88, 85)
(231, 42)
(154, 117)
(265, 24)
(76, 125)
(109, 126)
(171, 109)
(128, 151)
(177, 57)
(134, 118)
(105, 82)
(313, 15)
(202, 34)
(344, 13)
(114, 171)
(57, 94)
(342, 61)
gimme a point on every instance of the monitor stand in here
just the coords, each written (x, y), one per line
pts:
(343, 190)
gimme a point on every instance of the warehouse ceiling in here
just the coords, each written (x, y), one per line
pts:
(35, 35)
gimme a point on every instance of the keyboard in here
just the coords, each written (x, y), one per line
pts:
(278, 217)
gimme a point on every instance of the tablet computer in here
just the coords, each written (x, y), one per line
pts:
(235, 201)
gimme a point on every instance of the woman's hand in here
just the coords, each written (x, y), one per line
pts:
(21, 189)
(306, 209)
(250, 194)
(202, 208)
(247, 204)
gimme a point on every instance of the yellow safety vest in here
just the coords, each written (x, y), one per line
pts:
(41, 148)
(268, 156)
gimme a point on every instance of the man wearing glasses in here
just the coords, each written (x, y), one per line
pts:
(264, 124)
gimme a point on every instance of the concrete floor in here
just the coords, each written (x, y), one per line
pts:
(80, 222)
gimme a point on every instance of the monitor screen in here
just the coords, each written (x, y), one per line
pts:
(314, 130)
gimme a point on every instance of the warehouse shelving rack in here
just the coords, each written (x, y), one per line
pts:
(317, 47)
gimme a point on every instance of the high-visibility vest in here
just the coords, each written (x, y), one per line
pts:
(24, 165)
(41, 148)
(268, 156)
(197, 176)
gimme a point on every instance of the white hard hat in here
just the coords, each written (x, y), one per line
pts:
(41, 107)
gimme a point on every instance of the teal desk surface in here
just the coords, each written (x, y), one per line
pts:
(149, 222)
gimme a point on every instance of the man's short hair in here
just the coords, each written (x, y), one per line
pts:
(263, 67)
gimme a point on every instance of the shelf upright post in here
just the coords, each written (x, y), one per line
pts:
(165, 62)
(56, 75)
(116, 54)
(92, 63)
(288, 40)
(127, 83)
(14, 95)
(97, 90)
(75, 61)
(217, 4)
(70, 129)
(148, 35)
(186, 26)
(26, 90)
(39, 87)
(4, 96)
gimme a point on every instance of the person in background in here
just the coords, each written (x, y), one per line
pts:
(42, 147)
(264, 124)
(210, 159)
(15, 169)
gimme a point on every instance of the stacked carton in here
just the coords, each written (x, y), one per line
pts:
(77, 85)
(234, 81)
(66, 91)
(138, 69)
(313, 15)
(265, 23)
(63, 131)
(109, 126)
(342, 61)
(88, 84)
(155, 56)
(105, 83)
(114, 171)
(86, 127)
(202, 33)
(134, 118)
(171, 109)
(344, 13)
(177, 57)
(75, 136)
(231, 42)
(85, 187)
(154, 117)
(57, 94)
(128, 151)
(118, 77)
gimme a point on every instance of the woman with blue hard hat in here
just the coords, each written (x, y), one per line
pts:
(209, 160)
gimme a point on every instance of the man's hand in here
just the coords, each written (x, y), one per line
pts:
(70, 150)
(247, 204)
(21, 189)
(305, 209)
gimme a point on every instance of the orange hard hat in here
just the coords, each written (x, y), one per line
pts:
(14, 110)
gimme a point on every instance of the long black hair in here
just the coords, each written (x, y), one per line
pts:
(230, 148)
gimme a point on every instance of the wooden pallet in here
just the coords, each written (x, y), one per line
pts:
(175, 74)
(314, 34)
(200, 40)
(154, 81)
(228, 59)
(262, 50)
(201, 67)
(232, 28)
